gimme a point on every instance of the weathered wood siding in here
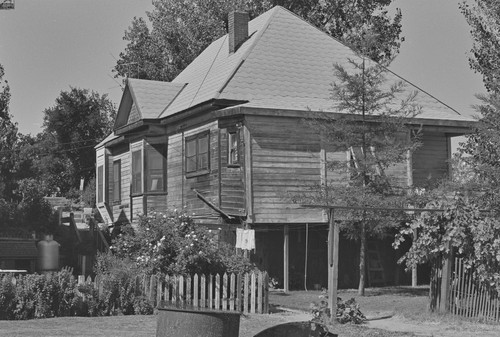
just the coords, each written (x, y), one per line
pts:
(285, 160)
(232, 189)
(101, 160)
(430, 161)
(157, 202)
(121, 210)
(175, 169)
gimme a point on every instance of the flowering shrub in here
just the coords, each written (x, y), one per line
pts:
(172, 243)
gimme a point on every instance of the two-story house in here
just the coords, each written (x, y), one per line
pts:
(226, 139)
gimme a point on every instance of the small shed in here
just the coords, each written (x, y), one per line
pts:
(18, 254)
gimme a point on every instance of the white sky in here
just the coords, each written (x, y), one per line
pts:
(46, 46)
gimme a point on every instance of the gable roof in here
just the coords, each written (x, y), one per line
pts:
(145, 99)
(286, 63)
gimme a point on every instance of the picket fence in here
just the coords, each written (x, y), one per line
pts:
(247, 293)
(470, 299)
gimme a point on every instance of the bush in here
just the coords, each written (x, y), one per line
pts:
(347, 311)
(171, 243)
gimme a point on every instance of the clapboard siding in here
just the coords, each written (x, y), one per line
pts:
(157, 202)
(137, 207)
(285, 159)
(430, 161)
(175, 176)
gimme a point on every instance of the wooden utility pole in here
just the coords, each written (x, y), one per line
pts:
(333, 264)
(286, 254)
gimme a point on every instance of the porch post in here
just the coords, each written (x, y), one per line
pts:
(333, 264)
(414, 275)
(286, 252)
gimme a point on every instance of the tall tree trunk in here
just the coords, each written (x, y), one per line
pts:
(362, 260)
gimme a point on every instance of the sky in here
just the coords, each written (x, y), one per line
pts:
(48, 46)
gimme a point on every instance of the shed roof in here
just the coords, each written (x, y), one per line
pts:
(17, 248)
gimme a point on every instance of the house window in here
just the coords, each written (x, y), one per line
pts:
(233, 148)
(117, 181)
(155, 173)
(136, 187)
(100, 184)
(197, 153)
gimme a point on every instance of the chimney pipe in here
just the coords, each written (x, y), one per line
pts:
(238, 29)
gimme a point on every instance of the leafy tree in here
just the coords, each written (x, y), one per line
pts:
(8, 136)
(479, 155)
(484, 18)
(72, 127)
(181, 30)
(373, 131)
(461, 228)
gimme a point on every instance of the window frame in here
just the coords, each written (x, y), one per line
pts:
(136, 184)
(161, 150)
(233, 133)
(117, 181)
(199, 170)
(100, 184)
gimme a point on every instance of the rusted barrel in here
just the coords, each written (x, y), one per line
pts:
(188, 321)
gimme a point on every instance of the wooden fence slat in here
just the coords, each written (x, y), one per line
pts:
(166, 293)
(217, 291)
(239, 279)
(188, 289)
(231, 292)
(182, 291)
(203, 300)
(224, 292)
(195, 291)
(159, 290)
(252, 292)
(245, 296)
(175, 296)
(210, 291)
(469, 295)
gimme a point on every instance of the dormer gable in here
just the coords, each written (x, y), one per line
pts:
(145, 100)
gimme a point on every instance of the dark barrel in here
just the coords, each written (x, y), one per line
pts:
(296, 329)
(187, 321)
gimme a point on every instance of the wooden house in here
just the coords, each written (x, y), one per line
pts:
(226, 140)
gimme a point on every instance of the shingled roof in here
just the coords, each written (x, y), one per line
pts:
(17, 248)
(286, 63)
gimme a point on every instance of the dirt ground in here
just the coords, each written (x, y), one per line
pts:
(436, 329)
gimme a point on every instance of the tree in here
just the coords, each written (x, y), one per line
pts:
(8, 136)
(77, 122)
(484, 18)
(461, 228)
(480, 155)
(181, 30)
(373, 131)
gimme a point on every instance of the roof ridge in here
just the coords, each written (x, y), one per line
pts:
(247, 52)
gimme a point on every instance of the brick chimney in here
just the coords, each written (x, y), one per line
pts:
(238, 29)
